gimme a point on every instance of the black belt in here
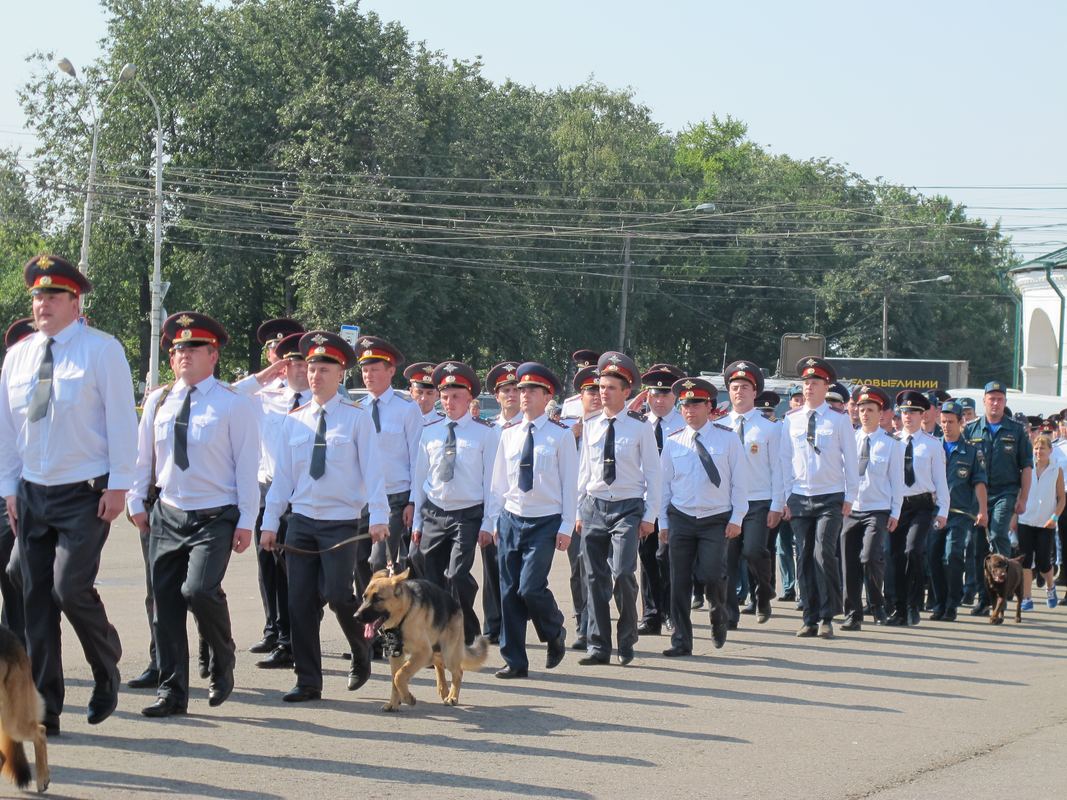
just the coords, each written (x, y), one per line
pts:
(924, 500)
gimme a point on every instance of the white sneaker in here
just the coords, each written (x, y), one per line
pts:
(1050, 597)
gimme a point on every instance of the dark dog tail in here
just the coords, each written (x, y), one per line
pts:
(474, 655)
(16, 768)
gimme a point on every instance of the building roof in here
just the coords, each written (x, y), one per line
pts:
(1057, 259)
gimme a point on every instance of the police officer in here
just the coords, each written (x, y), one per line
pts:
(618, 501)
(451, 488)
(423, 391)
(204, 439)
(585, 384)
(398, 423)
(875, 513)
(926, 503)
(580, 359)
(270, 334)
(968, 507)
(767, 403)
(760, 440)
(328, 471)
(821, 474)
(665, 419)
(931, 418)
(535, 478)
(704, 500)
(1009, 461)
(68, 433)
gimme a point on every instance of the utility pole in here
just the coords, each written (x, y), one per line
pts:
(626, 264)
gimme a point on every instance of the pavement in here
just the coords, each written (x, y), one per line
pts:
(943, 710)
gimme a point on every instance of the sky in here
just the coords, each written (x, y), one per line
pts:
(963, 99)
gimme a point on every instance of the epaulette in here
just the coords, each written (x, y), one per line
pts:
(511, 424)
(300, 407)
(345, 401)
(403, 397)
(432, 422)
(484, 422)
(228, 387)
(669, 435)
(722, 427)
(638, 416)
(838, 410)
(557, 423)
(794, 410)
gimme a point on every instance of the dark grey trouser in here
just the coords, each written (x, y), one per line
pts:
(13, 617)
(698, 548)
(908, 550)
(371, 557)
(863, 557)
(60, 540)
(491, 589)
(577, 584)
(655, 580)
(449, 540)
(816, 523)
(752, 546)
(273, 586)
(190, 551)
(314, 581)
(149, 601)
(610, 538)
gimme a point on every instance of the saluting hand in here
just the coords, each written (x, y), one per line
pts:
(112, 501)
(379, 533)
(242, 537)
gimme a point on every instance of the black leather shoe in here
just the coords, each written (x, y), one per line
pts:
(581, 643)
(980, 610)
(808, 631)
(557, 648)
(851, 624)
(264, 645)
(51, 728)
(718, 635)
(676, 652)
(358, 674)
(789, 596)
(898, 620)
(763, 614)
(510, 673)
(698, 602)
(149, 679)
(949, 615)
(879, 615)
(494, 638)
(220, 688)
(648, 629)
(592, 660)
(967, 599)
(913, 616)
(301, 694)
(104, 700)
(625, 659)
(937, 616)
(732, 624)
(281, 657)
(163, 707)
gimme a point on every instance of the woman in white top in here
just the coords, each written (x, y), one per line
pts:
(1037, 524)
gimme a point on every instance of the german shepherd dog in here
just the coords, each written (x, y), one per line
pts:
(21, 712)
(1004, 579)
(430, 623)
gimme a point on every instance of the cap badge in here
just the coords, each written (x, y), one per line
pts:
(450, 379)
(366, 343)
(450, 368)
(368, 352)
(45, 280)
(689, 385)
(44, 262)
(811, 362)
(186, 334)
(690, 394)
(320, 350)
(318, 338)
(614, 358)
(185, 320)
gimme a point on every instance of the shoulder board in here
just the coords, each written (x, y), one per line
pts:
(675, 433)
(298, 408)
(637, 415)
(432, 422)
(484, 422)
(558, 424)
(838, 410)
(403, 397)
(226, 386)
(511, 424)
(722, 427)
(794, 410)
(348, 402)
(272, 391)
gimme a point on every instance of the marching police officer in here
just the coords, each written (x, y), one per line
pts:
(327, 471)
(819, 466)
(618, 501)
(760, 440)
(535, 479)
(704, 500)
(423, 391)
(203, 438)
(968, 507)
(585, 384)
(451, 488)
(1009, 461)
(68, 434)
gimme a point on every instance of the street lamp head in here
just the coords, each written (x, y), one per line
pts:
(66, 67)
(943, 279)
(129, 72)
(705, 207)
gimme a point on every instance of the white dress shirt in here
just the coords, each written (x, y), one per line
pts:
(762, 442)
(223, 450)
(91, 425)
(472, 479)
(500, 422)
(830, 470)
(250, 385)
(928, 461)
(881, 487)
(401, 428)
(275, 405)
(686, 485)
(674, 421)
(637, 469)
(353, 476)
(555, 472)
(431, 416)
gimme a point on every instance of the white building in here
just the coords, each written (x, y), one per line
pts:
(1042, 283)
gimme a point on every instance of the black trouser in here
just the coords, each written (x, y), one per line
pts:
(491, 590)
(698, 548)
(863, 559)
(149, 600)
(655, 580)
(577, 584)
(190, 551)
(13, 617)
(908, 550)
(371, 557)
(273, 586)
(323, 579)
(816, 523)
(751, 546)
(446, 551)
(60, 540)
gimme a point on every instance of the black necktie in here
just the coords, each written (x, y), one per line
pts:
(865, 455)
(374, 415)
(811, 431)
(318, 452)
(296, 402)
(741, 431)
(526, 460)
(42, 392)
(659, 435)
(706, 461)
(181, 432)
(447, 470)
(609, 453)
(909, 466)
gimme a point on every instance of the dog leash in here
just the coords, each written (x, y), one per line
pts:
(288, 548)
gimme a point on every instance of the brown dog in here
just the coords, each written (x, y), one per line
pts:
(1003, 578)
(21, 711)
(429, 622)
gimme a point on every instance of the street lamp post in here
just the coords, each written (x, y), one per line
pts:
(885, 307)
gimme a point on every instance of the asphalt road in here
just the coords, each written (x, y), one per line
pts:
(945, 710)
